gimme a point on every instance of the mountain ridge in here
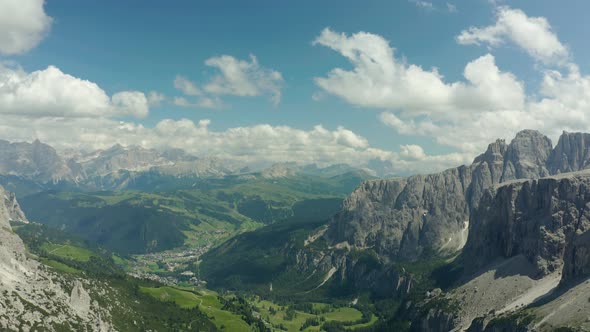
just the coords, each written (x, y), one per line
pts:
(402, 217)
(33, 167)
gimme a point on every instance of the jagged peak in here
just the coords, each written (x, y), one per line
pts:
(495, 151)
(529, 132)
(571, 134)
(116, 147)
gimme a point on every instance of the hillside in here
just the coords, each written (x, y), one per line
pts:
(133, 222)
(59, 297)
(253, 260)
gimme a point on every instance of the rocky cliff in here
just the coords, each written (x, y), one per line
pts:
(545, 220)
(406, 217)
(31, 296)
(529, 240)
(572, 153)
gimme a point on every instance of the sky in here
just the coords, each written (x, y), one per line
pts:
(412, 86)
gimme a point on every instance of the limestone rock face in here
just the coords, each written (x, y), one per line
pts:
(32, 297)
(80, 299)
(572, 153)
(402, 218)
(546, 220)
(526, 156)
(9, 208)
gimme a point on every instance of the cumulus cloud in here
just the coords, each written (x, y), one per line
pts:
(423, 4)
(413, 152)
(258, 145)
(380, 80)
(155, 98)
(244, 78)
(533, 34)
(236, 78)
(186, 86)
(50, 92)
(451, 8)
(430, 7)
(132, 103)
(466, 115)
(23, 24)
(202, 102)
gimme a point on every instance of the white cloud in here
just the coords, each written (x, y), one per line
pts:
(429, 6)
(256, 145)
(244, 78)
(202, 102)
(186, 86)
(451, 7)
(413, 152)
(183, 102)
(465, 115)
(423, 4)
(533, 34)
(236, 78)
(155, 98)
(380, 80)
(132, 103)
(50, 92)
(23, 24)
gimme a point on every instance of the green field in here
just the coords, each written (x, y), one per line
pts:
(207, 302)
(342, 314)
(59, 266)
(68, 251)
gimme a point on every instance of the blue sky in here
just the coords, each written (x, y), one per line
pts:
(143, 46)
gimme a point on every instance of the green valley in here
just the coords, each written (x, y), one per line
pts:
(138, 222)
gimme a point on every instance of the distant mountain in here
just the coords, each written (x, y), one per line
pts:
(35, 161)
(131, 158)
(33, 167)
(335, 170)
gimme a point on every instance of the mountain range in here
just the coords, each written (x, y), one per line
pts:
(27, 168)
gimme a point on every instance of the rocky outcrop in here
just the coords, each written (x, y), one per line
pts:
(405, 217)
(31, 296)
(80, 299)
(526, 156)
(546, 220)
(526, 239)
(572, 153)
(402, 217)
(9, 208)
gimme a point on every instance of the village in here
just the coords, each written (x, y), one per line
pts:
(169, 267)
